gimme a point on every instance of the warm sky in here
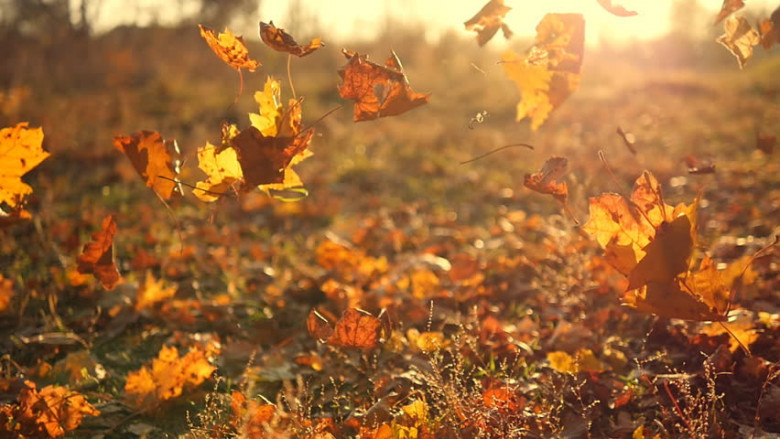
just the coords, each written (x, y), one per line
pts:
(344, 18)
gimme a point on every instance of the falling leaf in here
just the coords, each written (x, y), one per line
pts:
(628, 139)
(546, 180)
(281, 41)
(739, 38)
(550, 72)
(229, 48)
(488, 20)
(614, 9)
(48, 413)
(696, 167)
(21, 150)
(155, 159)
(97, 257)
(261, 155)
(378, 91)
(152, 291)
(167, 377)
(728, 8)
(769, 30)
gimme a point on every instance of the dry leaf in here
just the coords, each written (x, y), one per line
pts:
(249, 417)
(21, 150)
(550, 72)
(614, 9)
(546, 180)
(765, 142)
(695, 167)
(728, 8)
(318, 326)
(262, 155)
(378, 91)
(281, 41)
(48, 413)
(356, 329)
(739, 38)
(769, 30)
(6, 293)
(155, 159)
(488, 20)
(167, 376)
(153, 291)
(97, 257)
(229, 48)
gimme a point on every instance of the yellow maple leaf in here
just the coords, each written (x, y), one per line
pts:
(229, 47)
(20, 151)
(550, 72)
(152, 291)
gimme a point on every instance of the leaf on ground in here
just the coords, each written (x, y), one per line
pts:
(546, 180)
(48, 413)
(378, 91)
(550, 72)
(167, 376)
(488, 20)
(614, 9)
(21, 150)
(739, 38)
(229, 48)
(727, 8)
(6, 293)
(261, 155)
(279, 40)
(765, 142)
(97, 257)
(356, 329)
(156, 160)
(153, 291)
(250, 417)
(698, 167)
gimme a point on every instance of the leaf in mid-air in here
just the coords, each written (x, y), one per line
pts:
(98, 256)
(614, 9)
(727, 8)
(739, 38)
(546, 180)
(488, 20)
(156, 160)
(378, 91)
(20, 151)
(550, 72)
(229, 48)
(281, 41)
(261, 155)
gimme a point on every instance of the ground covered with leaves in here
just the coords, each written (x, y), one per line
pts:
(403, 293)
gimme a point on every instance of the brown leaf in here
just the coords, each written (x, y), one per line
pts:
(318, 326)
(264, 159)
(765, 142)
(769, 30)
(229, 48)
(546, 180)
(739, 38)
(281, 41)
(695, 167)
(614, 9)
(356, 329)
(155, 159)
(729, 7)
(97, 257)
(488, 20)
(378, 91)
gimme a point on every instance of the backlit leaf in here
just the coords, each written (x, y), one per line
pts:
(97, 256)
(378, 91)
(279, 40)
(488, 20)
(229, 48)
(21, 150)
(614, 9)
(155, 159)
(739, 38)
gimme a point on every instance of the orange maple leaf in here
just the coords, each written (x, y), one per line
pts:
(727, 8)
(356, 329)
(49, 413)
(249, 417)
(739, 38)
(155, 159)
(614, 9)
(281, 41)
(546, 180)
(488, 20)
(97, 257)
(21, 150)
(152, 291)
(550, 72)
(167, 377)
(378, 91)
(229, 48)
(261, 155)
